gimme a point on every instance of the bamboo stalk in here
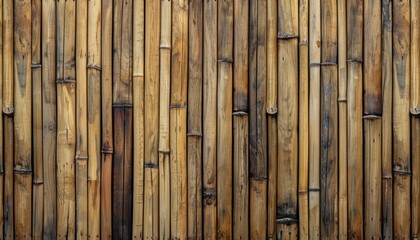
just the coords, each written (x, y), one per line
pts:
(164, 141)
(81, 158)
(49, 117)
(287, 121)
(94, 115)
(415, 56)
(401, 118)
(271, 117)
(107, 130)
(38, 181)
(194, 124)
(151, 113)
(1, 126)
(66, 128)
(314, 117)
(240, 127)
(387, 219)
(415, 154)
(210, 120)
(138, 113)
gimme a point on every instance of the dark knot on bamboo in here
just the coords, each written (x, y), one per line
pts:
(8, 111)
(36, 65)
(286, 36)
(356, 60)
(93, 66)
(65, 80)
(151, 165)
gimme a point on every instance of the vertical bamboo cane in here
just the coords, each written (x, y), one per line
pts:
(314, 116)
(138, 112)
(107, 137)
(151, 113)
(1, 125)
(355, 113)
(164, 141)
(303, 120)
(82, 126)
(49, 117)
(240, 128)
(415, 154)
(387, 220)
(210, 120)
(66, 124)
(224, 118)
(342, 120)
(401, 118)
(94, 115)
(194, 124)
(272, 117)
(38, 181)
(287, 121)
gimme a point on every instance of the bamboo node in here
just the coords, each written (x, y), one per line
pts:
(65, 81)
(165, 47)
(93, 66)
(304, 43)
(342, 100)
(151, 165)
(38, 182)
(81, 158)
(286, 36)
(287, 220)
(179, 105)
(8, 111)
(194, 134)
(22, 171)
(225, 59)
(122, 105)
(329, 64)
(272, 111)
(401, 172)
(313, 189)
(107, 150)
(239, 113)
(209, 193)
(36, 65)
(314, 64)
(357, 60)
(164, 151)
(303, 192)
(259, 178)
(372, 117)
(2, 173)
(387, 176)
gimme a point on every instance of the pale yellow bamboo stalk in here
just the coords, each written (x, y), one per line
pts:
(415, 58)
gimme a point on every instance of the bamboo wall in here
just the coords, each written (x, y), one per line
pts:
(210, 119)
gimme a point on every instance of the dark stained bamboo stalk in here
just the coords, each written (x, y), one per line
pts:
(355, 113)
(94, 114)
(415, 58)
(151, 113)
(49, 117)
(209, 120)
(66, 119)
(38, 177)
(1, 126)
(272, 117)
(194, 124)
(138, 118)
(81, 158)
(224, 118)
(107, 130)
(415, 155)
(287, 120)
(241, 225)
(387, 196)
(401, 118)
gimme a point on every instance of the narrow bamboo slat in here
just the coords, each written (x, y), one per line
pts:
(194, 120)
(210, 120)
(1, 126)
(415, 58)
(401, 118)
(415, 191)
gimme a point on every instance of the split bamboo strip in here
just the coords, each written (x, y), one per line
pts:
(415, 154)
(415, 58)
(8, 111)
(303, 198)
(342, 119)
(49, 117)
(224, 119)
(387, 220)
(138, 118)
(287, 121)
(94, 116)
(194, 124)
(401, 118)
(355, 113)
(1, 125)
(38, 179)
(272, 117)
(107, 131)
(314, 117)
(164, 141)
(81, 159)
(209, 120)
(372, 176)
(151, 113)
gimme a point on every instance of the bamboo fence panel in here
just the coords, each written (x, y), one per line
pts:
(214, 119)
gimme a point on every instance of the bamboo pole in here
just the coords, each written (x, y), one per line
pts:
(415, 58)
(38, 179)
(194, 121)
(287, 121)
(49, 117)
(354, 111)
(1, 125)
(209, 120)
(240, 128)
(387, 218)
(107, 130)
(401, 118)
(94, 115)
(272, 117)
(314, 116)
(303, 120)
(138, 118)
(151, 113)
(415, 155)
(164, 101)
(82, 124)
(66, 119)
